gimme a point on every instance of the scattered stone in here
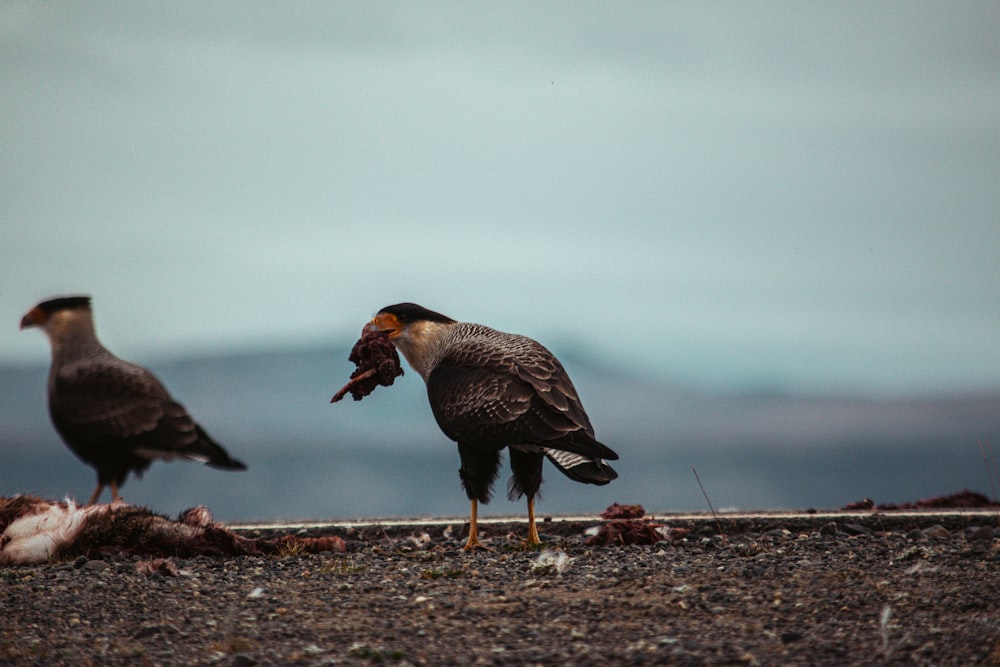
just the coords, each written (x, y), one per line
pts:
(983, 533)
(856, 529)
(162, 567)
(829, 528)
(154, 629)
(243, 660)
(937, 532)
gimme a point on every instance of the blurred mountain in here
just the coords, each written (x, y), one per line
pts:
(384, 456)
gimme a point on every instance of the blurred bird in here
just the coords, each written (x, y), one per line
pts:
(489, 390)
(114, 415)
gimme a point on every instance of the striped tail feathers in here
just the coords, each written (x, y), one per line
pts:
(582, 443)
(586, 469)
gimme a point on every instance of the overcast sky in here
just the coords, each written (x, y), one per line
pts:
(800, 195)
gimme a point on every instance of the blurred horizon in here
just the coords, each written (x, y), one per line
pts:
(385, 457)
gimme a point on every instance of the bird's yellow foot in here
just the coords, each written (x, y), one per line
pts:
(473, 541)
(476, 544)
(533, 540)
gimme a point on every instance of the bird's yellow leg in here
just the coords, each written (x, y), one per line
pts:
(473, 540)
(96, 494)
(532, 530)
(114, 492)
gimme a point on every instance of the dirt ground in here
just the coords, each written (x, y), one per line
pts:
(847, 588)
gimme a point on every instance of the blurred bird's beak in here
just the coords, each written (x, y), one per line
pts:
(32, 318)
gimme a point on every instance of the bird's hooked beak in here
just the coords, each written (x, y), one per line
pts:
(386, 323)
(35, 317)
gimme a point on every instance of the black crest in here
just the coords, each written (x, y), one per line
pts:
(411, 312)
(64, 303)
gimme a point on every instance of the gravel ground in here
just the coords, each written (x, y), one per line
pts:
(848, 589)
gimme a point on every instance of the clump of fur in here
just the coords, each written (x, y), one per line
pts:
(33, 530)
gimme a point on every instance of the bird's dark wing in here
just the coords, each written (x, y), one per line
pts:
(477, 406)
(489, 396)
(540, 369)
(121, 406)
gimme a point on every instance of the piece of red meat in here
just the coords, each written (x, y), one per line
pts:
(377, 364)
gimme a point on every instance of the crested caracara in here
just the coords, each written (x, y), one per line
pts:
(114, 415)
(489, 390)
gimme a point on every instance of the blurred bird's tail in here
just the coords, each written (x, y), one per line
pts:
(212, 454)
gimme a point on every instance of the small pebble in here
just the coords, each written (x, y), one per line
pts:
(937, 532)
(829, 528)
(983, 533)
